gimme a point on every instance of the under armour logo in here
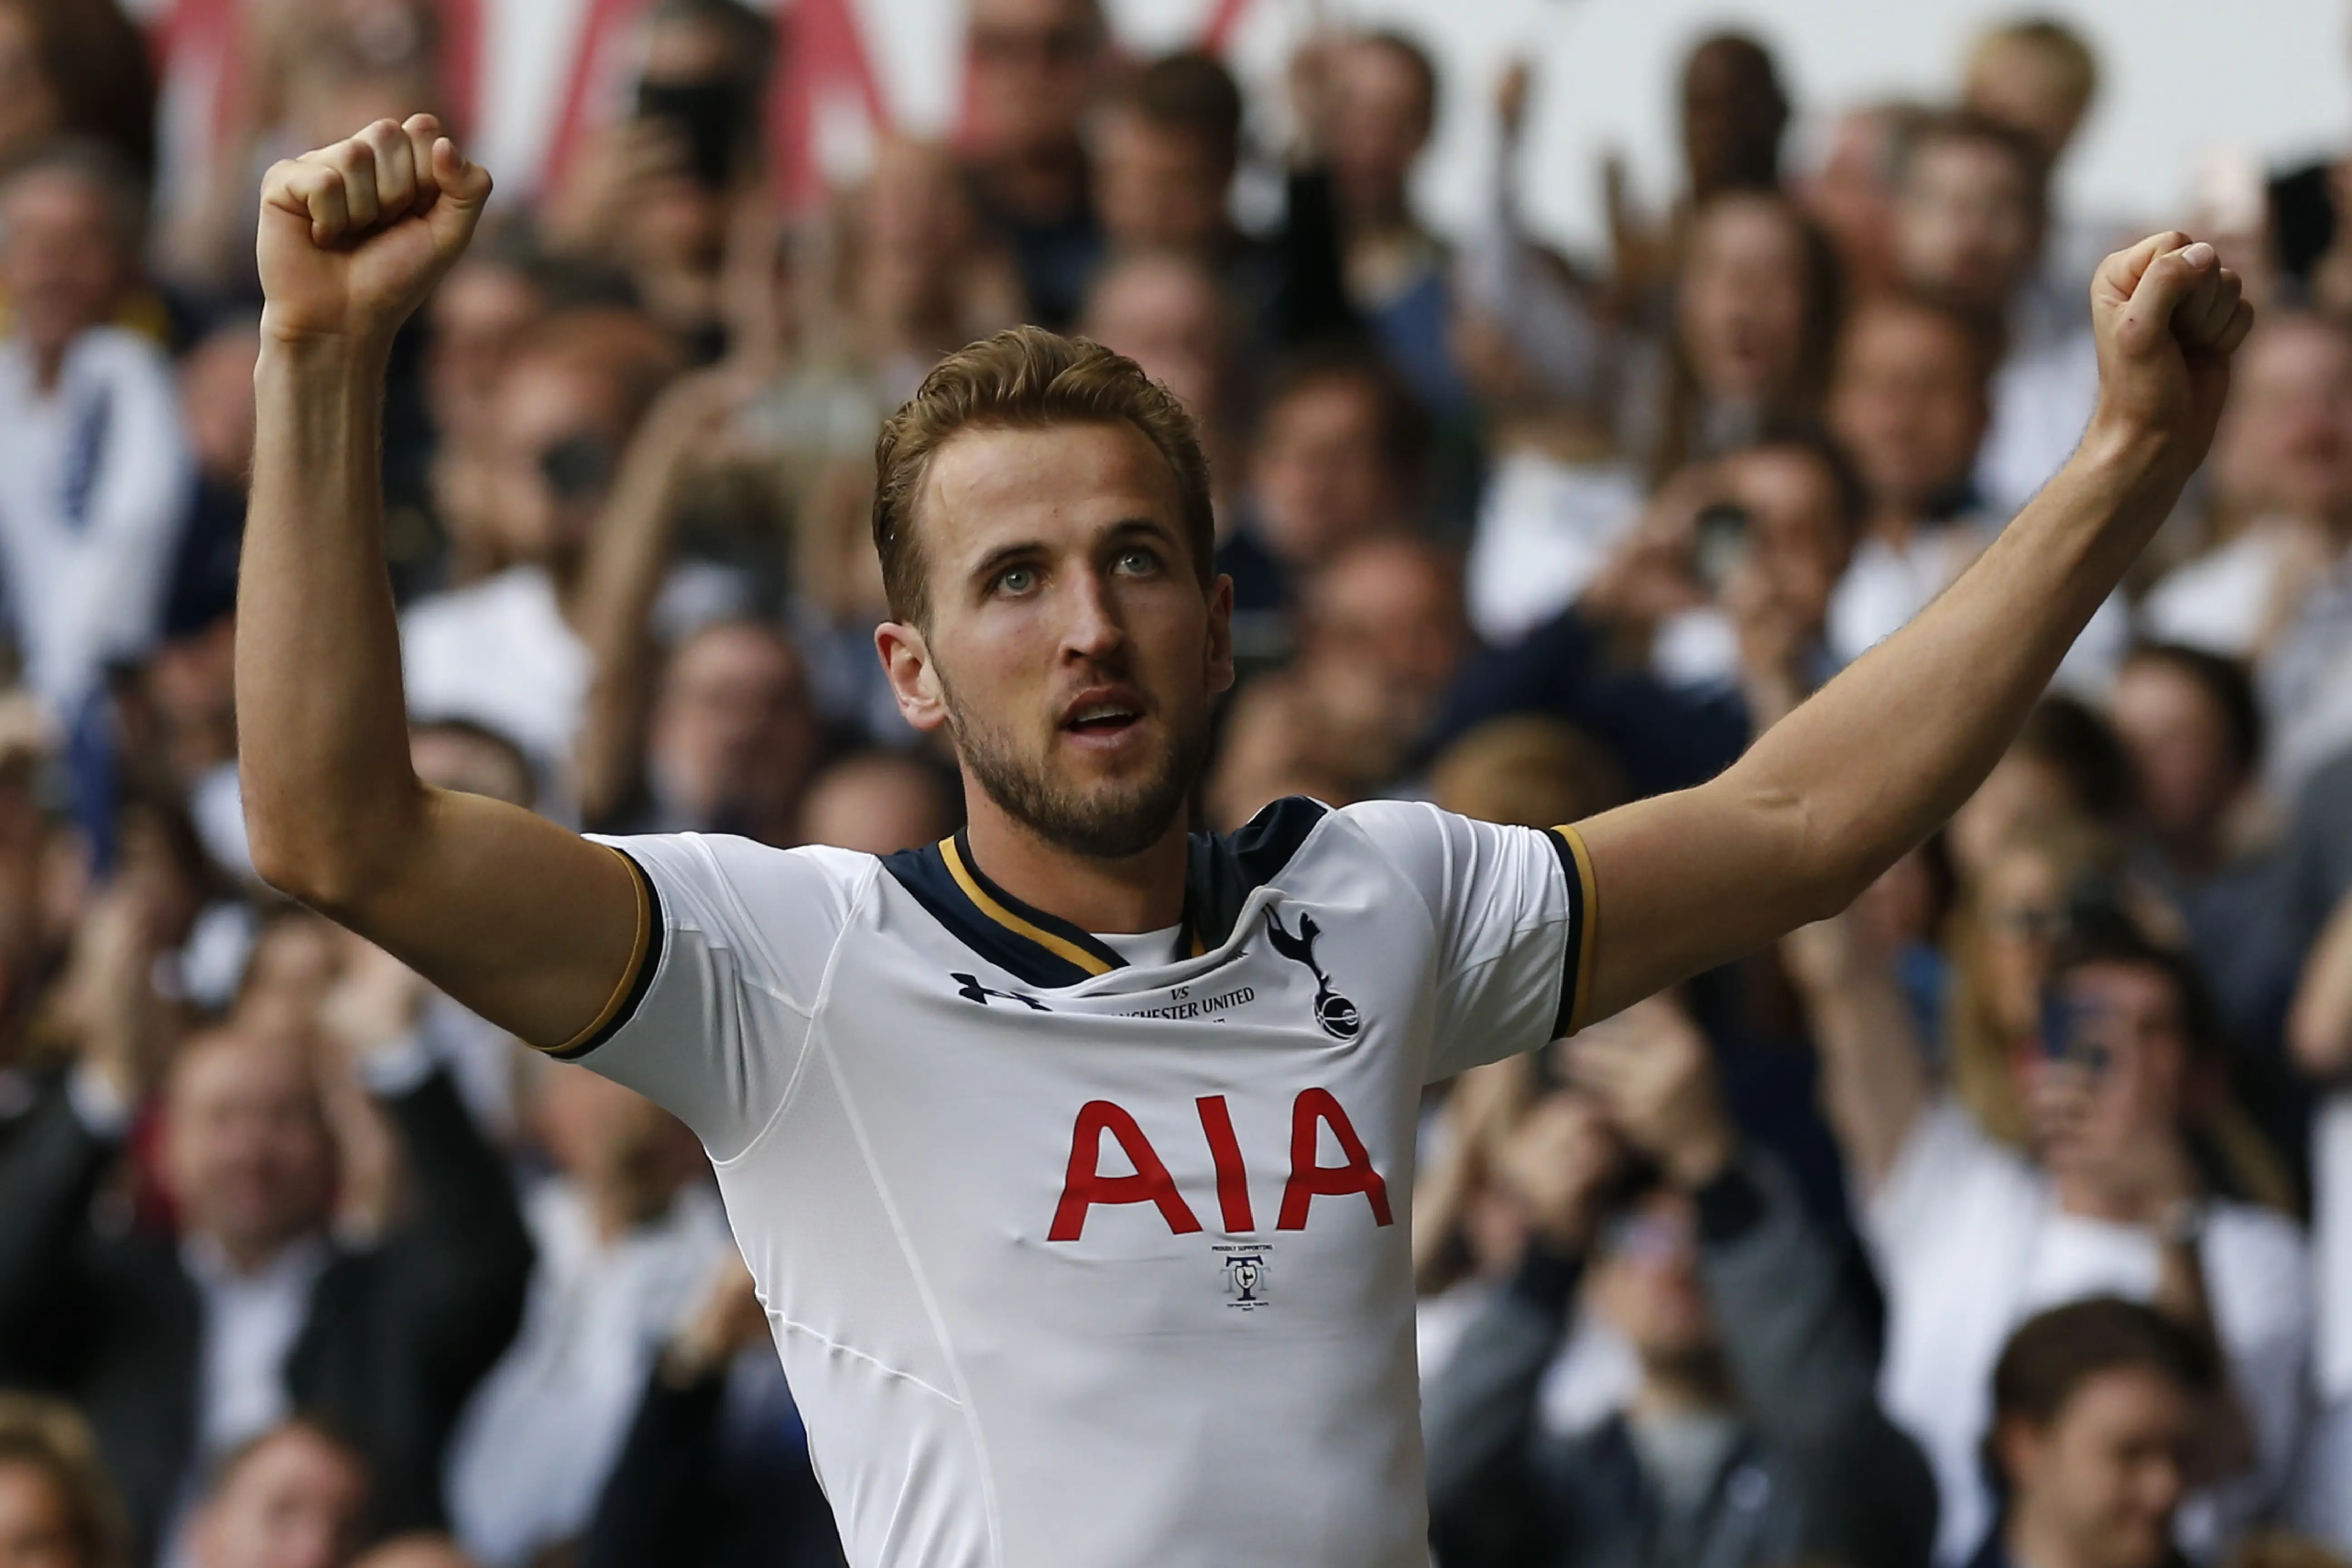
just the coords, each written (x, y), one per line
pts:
(1334, 1012)
(969, 987)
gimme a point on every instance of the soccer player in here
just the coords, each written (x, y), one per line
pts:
(1072, 1155)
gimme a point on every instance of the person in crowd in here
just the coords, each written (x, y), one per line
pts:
(58, 1506)
(658, 194)
(732, 737)
(96, 480)
(479, 317)
(1971, 214)
(294, 1496)
(715, 1472)
(1167, 313)
(2274, 594)
(1033, 68)
(1849, 190)
(1734, 113)
(1971, 1235)
(624, 1231)
(1754, 1434)
(2037, 76)
(2319, 1040)
(182, 1349)
(1166, 146)
(1367, 103)
(1382, 637)
(76, 67)
(2095, 1438)
(509, 651)
(1339, 457)
(2192, 726)
(1711, 628)
(878, 802)
(1756, 310)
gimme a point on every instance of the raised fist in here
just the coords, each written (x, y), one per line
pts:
(2167, 317)
(354, 236)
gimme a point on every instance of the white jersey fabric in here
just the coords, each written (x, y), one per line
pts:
(1073, 1263)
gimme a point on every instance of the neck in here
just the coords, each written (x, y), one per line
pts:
(618, 1202)
(1040, 184)
(1135, 893)
(1893, 524)
(2033, 1542)
(49, 366)
(250, 1254)
(1681, 1387)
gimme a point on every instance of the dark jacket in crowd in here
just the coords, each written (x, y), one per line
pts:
(1816, 1471)
(693, 1488)
(397, 1335)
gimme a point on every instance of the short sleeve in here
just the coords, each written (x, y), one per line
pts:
(1512, 910)
(737, 939)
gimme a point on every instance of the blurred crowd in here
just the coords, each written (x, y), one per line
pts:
(2005, 1220)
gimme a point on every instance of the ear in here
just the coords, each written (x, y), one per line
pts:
(914, 680)
(1221, 635)
(2019, 1448)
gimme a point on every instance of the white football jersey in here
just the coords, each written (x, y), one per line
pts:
(1073, 1263)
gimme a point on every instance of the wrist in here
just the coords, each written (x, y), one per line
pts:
(309, 351)
(1701, 1158)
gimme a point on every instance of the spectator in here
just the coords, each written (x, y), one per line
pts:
(1338, 457)
(2094, 1435)
(1755, 1435)
(1971, 214)
(2193, 728)
(1033, 67)
(1850, 191)
(1756, 315)
(95, 474)
(58, 1508)
(2274, 594)
(294, 1496)
(2319, 1035)
(76, 67)
(1971, 1237)
(180, 1353)
(1368, 102)
(625, 1231)
(2038, 78)
(733, 738)
(1167, 312)
(1166, 147)
(505, 651)
(708, 1477)
(878, 803)
(479, 318)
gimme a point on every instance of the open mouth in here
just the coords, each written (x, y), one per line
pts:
(1101, 719)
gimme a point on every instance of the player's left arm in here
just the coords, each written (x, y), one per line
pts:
(1833, 794)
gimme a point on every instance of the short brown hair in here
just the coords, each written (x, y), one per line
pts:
(2058, 45)
(1191, 93)
(1025, 379)
(1964, 126)
(2053, 1354)
(45, 1436)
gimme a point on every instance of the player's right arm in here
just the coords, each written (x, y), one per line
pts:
(530, 925)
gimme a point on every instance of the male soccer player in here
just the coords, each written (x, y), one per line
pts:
(1072, 1155)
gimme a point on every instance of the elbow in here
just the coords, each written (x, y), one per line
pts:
(334, 865)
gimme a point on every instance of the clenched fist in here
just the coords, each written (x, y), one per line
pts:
(2168, 316)
(354, 236)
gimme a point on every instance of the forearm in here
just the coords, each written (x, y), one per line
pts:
(1874, 1082)
(330, 792)
(1955, 684)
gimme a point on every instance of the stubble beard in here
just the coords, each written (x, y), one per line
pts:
(1109, 821)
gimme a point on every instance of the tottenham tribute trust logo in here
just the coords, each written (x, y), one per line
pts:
(1334, 1012)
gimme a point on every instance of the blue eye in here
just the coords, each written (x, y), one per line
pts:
(1138, 561)
(1016, 580)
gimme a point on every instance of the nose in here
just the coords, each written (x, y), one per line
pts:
(1091, 626)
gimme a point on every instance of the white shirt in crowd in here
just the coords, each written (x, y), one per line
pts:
(1545, 526)
(538, 1436)
(1885, 584)
(1970, 1242)
(2042, 395)
(2322, 1503)
(499, 654)
(96, 483)
(2225, 601)
(1072, 1260)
